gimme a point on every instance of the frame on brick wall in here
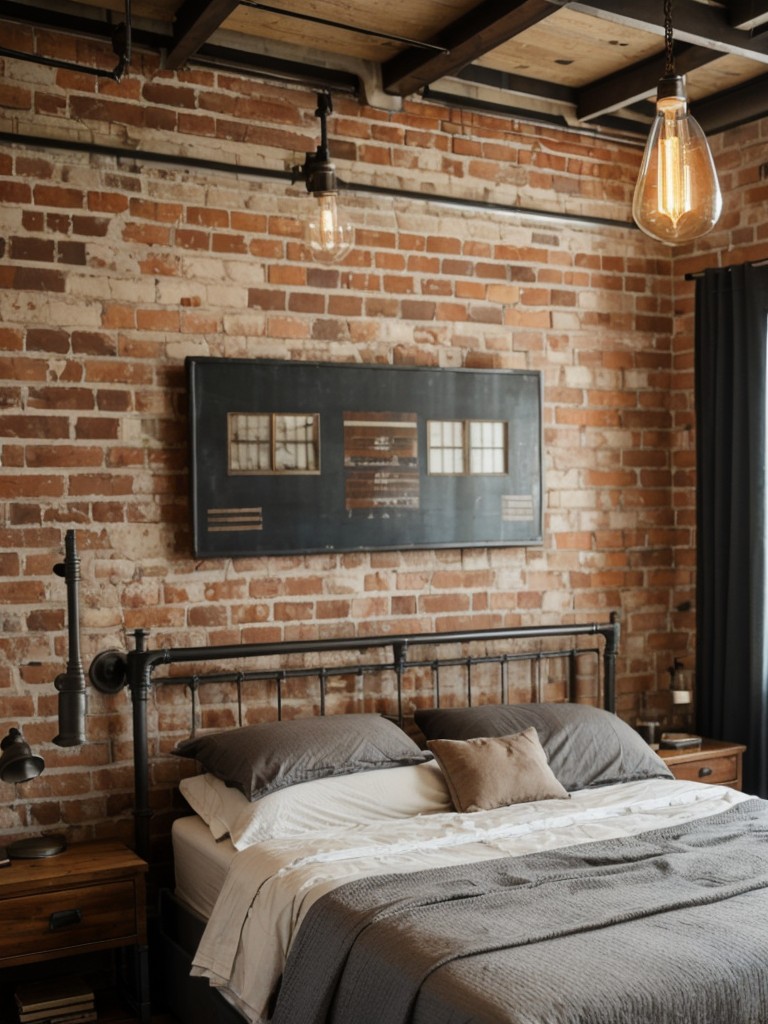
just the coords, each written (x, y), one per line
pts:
(291, 457)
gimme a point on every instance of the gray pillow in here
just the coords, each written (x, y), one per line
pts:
(260, 759)
(585, 746)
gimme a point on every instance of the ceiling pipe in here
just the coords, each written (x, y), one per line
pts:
(269, 173)
(121, 46)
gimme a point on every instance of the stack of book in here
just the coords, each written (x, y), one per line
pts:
(60, 1001)
(680, 740)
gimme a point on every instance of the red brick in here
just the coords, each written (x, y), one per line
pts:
(15, 97)
(107, 202)
(43, 339)
(56, 195)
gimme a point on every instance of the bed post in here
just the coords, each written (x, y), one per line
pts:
(612, 636)
(139, 682)
(400, 653)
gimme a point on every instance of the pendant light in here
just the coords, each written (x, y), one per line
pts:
(328, 237)
(677, 196)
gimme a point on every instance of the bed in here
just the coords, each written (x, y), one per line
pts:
(517, 863)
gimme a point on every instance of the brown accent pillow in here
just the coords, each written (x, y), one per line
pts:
(495, 771)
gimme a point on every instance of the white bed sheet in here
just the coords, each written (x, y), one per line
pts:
(201, 863)
(270, 886)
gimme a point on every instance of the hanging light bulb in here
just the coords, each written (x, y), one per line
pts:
(677, 197)
(329, 237)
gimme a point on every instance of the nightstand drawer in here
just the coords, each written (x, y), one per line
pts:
(715, 761)
(67, 920)
(710, 769)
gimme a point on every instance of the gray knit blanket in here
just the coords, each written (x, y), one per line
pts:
(668, 927)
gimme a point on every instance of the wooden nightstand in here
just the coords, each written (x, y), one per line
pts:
(715, 761)
(90, 897)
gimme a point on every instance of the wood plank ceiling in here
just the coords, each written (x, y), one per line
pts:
(591, 64)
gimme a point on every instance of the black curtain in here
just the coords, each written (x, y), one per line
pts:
(732, 513)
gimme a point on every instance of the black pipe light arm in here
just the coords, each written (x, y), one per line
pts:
(71, 684)
(318, 172)
(328, 237)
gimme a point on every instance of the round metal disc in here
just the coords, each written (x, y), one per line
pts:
(36, 847)
(107, 671)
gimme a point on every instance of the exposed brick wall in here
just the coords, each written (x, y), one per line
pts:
(112, 270)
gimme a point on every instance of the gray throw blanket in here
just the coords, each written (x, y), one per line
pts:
(668, 927)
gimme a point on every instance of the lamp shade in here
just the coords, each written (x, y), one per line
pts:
(18, 763)
(677, 197)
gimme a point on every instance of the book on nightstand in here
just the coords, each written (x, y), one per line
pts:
(61, 1017)
(679, 740)
(60, 1001)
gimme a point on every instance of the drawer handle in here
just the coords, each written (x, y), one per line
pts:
(704, 772)
(64, 919)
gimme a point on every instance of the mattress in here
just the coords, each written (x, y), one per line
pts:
(270, 887)
(201, 863)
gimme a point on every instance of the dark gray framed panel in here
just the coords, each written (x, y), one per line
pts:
(310, 457)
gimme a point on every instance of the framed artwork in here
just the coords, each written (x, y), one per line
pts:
(308, 457)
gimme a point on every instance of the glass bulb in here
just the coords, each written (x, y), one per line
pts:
(328, 238)
(677, 196)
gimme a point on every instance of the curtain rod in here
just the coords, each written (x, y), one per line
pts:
(694, 275)
(150, 156)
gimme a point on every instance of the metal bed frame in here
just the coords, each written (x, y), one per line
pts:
(112, 670)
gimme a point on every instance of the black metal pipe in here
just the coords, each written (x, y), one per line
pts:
(121, 46)
(220, 166)
(71, 684)
(179, 655)
(140, 683)
(612, 639)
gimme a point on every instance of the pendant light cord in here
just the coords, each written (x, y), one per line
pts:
(669, 39)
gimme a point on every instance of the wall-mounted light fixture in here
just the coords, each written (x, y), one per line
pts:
(71, 684)
(328, 237)
(19, 764)
(677, 197)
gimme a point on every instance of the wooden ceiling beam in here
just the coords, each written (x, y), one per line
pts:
(740, 105)
(748, 14)
(195, 23)
(693, 22)
(637, 82)
(488, 26)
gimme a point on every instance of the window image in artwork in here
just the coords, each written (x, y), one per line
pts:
(476, 447)
(445, 447)
(273, 443)
(487, 446)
